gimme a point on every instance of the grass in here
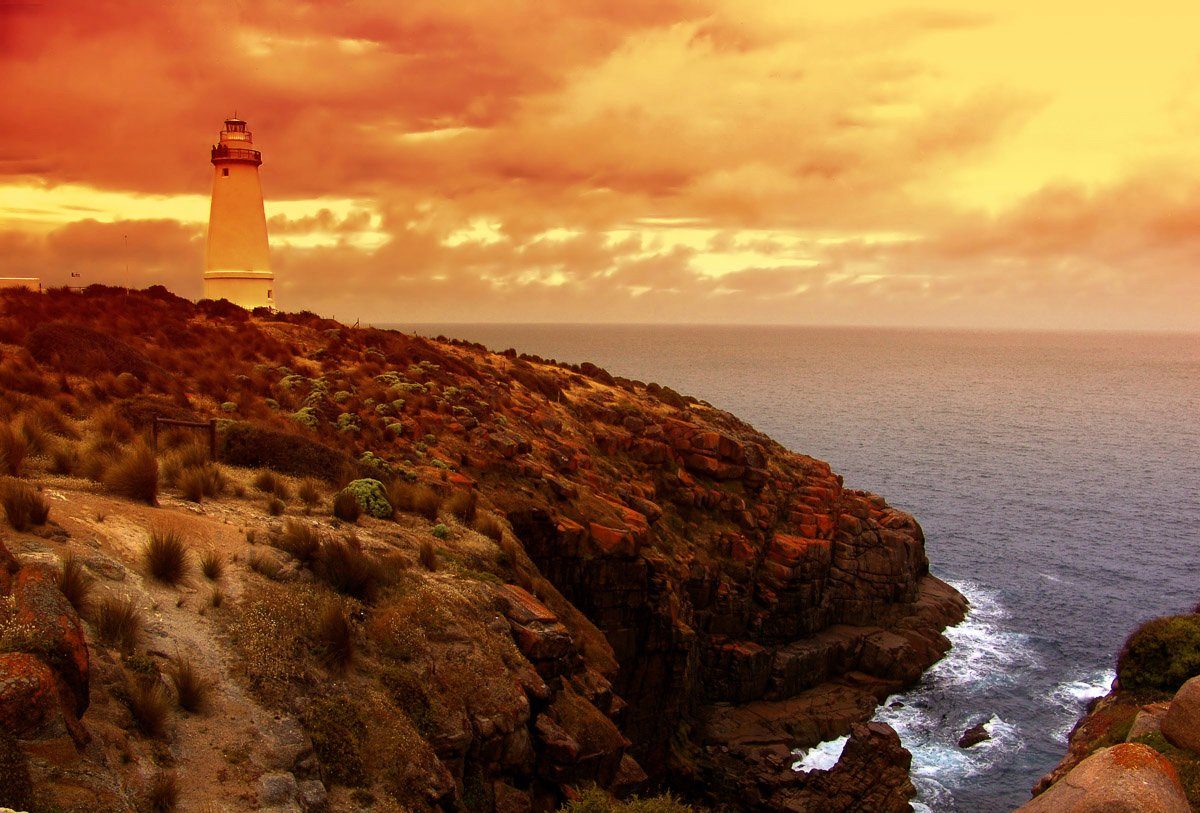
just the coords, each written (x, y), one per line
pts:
(24, 507)
(199, 482)
(149, 704)
(134, 475)
(119, 622)
(162, 794)
(64, 458)
(348, 570)
(179, 459)
(428, 556)
(414, 498)
(74, 582)
(192, 689)
(464, 505)
(490, 526)
(333, 636)
(264, 564)
(216, 598)
(166, 556)
(346, 507)
(271, 483)
(594, 800)
(13, 450)
(309, 493)
(212, 565)
(300, 541)
(276, 506)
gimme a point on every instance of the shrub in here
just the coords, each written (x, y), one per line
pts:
(371, 497)
(276, 507)
(269, 482)
(309, 493)
(594, 800)
(464, 505)
(212, 565)
(264, 564)
(414, 498)
(198, 482)
(490, 526)
(77, 349)
(166, 556)
(333, 636)
(74, 582)
(346, 507)
(149, 704)
(13, 450)
(23, 506)
(191, 688)
(245, 444)
(185, 457)
(348, 570)
(337, 730)
(301, 541)
(119, 622)
(1161, 654)
(135, 475)
(441, 531)
(162, 794)
(428, 555)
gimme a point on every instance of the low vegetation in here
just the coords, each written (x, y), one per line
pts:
(1161, 654)
(119, 622)
(166, 556)
(24, 507)
(192, 689)
(74, 582)
(134, 475)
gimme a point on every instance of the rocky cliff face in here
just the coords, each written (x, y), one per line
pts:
(661, 596)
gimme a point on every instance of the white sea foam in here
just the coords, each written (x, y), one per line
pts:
(820, 757)
(1072, 697)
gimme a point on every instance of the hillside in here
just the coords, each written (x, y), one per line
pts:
(423, 575)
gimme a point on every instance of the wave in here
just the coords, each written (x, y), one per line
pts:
(1072, 697)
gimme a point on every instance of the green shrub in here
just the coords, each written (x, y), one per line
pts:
(371, 497)
(441, 531)
(246, 444)
(1161, 654)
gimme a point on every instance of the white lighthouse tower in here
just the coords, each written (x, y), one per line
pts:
(236, 262)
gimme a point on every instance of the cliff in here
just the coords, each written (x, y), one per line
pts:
(1138, 747)
(444, 577)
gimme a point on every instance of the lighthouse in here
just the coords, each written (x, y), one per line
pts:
(236, 262)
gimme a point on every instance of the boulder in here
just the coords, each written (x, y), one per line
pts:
(973, 736)
(1127, 778)
(1181, 724)
(54, 633)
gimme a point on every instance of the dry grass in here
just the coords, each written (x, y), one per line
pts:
(464, 505)
(428, 556)
(276, 507)
(301, 541)
(199, 482)
(216, 598)
(346, 507)
(134, 475)
(490, 526)
(184, 457)
(212, 565)
(166, 556)
(119, 622)
(333, 636)
(149, 703)
(13, 450)
(414, 498)
(162, 794)
(24, 507)
(192, 689)
(264, 564)
(271, 483)
(74, 582)
(347, 569)
(64, 458)
(309, 493)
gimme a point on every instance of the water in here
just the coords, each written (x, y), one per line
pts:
(1056, 475)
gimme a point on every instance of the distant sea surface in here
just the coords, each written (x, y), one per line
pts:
(1057, 477)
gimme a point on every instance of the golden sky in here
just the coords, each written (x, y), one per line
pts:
(1015, 164)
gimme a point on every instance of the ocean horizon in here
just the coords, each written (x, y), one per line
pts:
(1055, 474)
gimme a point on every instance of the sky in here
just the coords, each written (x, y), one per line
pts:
(1016, 164)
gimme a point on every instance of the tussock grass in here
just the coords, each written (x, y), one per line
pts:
(334, 636)
(301, 541)
(24, 507)
(348, 570)
(271, 483)
(464, 505)
(13, 450)
(309, 493)
(414, 498)
(119, 622)
(162, 794)
(428, 556)
(276, 507)
(212, 565)
(264, 564)
(149, 704)
(490, 526)
(134, 475)
(192, 689)
(346, 507)
(199, 482)
(74, 582)
(166, 556)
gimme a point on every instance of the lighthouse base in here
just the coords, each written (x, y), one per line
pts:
(244, 291)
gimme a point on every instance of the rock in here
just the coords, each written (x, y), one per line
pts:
(31, 706)
(1148, 721)
(312, 796)
(286, 745)
(54, 633)
(276, 789)
(973, 736)
(1126, 778)
(871, 775)
(1181, 723)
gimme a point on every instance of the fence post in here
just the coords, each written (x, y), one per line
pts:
(212, 439)
(154, 433)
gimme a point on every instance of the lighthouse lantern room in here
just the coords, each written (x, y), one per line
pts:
(237, 266)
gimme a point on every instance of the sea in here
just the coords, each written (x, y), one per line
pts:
(1056, 475)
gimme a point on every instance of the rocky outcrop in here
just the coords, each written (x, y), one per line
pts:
(872, 774)
(1181, 722)
(1126, 778)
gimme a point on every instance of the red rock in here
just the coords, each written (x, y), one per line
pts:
(54, 626)
(1126, 778)
(30, 703)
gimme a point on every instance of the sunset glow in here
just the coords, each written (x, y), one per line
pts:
(1019, 164)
